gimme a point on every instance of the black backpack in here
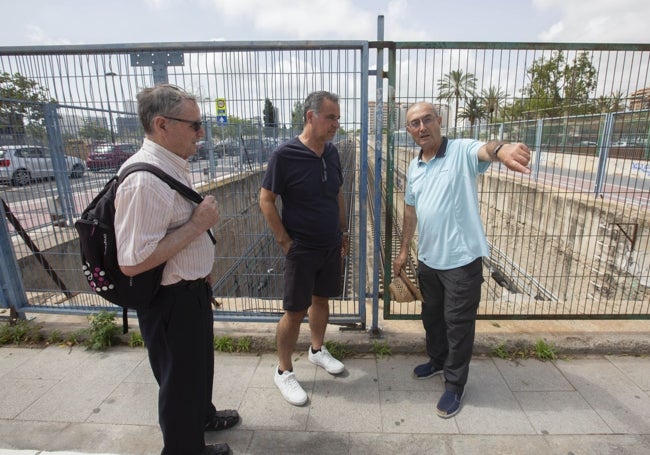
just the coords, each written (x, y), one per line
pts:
(99, 249)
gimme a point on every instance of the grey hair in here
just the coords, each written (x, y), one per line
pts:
(426, 103)
(161, 99)
(315, 100)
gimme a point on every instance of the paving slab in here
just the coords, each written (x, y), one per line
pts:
(61, 400)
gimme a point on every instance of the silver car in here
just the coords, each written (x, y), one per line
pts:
(21, 164)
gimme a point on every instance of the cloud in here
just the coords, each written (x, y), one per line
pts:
(314, 20)
(37, 36)
(602, 21)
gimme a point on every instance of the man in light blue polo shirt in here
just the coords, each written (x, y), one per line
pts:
(442, 202)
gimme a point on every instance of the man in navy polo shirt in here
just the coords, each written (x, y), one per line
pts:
(312, 232)
(441, 200)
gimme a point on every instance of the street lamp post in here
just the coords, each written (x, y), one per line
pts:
(108, 103)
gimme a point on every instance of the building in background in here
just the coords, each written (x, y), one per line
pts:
(640, 99)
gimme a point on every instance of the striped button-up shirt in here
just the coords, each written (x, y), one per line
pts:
(147, 209)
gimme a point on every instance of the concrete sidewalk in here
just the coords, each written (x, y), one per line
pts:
(70, 400)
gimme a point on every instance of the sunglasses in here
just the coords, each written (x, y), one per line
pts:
(195, 125)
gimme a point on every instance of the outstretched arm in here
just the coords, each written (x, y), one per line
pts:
(515, 156)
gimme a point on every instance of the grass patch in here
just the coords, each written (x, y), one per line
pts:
(338, 350)
(21, 332)
(244, 344)
(544, 351)
(500, 351)
(136, 340)
(541, 350)
(380, 349)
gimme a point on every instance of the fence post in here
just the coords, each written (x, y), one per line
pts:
(63, 200)
(603, 153)
(12, 294)
(538, 147)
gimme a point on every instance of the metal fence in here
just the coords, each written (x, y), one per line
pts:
(570, 241)
(251, 98)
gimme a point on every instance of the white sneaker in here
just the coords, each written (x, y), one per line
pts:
(324, 359)
(290, 388)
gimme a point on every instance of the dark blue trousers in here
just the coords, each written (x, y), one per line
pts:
(451, 299)
(178, 333)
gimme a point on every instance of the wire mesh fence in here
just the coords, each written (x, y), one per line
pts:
(251, 101)
(572, 239)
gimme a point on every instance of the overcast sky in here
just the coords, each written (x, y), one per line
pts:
(63, 22)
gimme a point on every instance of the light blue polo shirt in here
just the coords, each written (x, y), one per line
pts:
(444, 192)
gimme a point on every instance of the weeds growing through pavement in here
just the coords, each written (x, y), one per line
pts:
(103, 331)
(228, 344)
(380, 349)
(21, 332)
(541, 351)
(136, 340)
(338, 350)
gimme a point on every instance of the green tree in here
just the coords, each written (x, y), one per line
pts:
(297, 119)
(557, 88)
(15, 116)
(456, 86)
(579, 81)
(473, 111)
(493, 99)
(612, 103)
(269, 114)
(94, 132)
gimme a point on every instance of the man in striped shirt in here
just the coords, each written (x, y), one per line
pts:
(154, 225)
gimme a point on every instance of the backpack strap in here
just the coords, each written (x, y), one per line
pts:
(184, 190)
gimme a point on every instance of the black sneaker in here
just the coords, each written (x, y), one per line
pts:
(426, 370)
(449, 403)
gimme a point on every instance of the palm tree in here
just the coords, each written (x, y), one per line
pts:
(613, 103)
(474, 110)
(493, 98)
(456, 85)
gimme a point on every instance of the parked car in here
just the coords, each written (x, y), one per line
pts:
(203, 151)
(21, 164)
(109, 156)
(255, 150)
(227, 147)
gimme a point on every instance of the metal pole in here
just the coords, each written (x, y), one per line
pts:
(108, 102)
(379, 123)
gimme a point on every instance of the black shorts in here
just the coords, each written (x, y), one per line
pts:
(310, 272)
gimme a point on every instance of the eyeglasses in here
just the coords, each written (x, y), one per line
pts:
(194, 124)
(425, 121)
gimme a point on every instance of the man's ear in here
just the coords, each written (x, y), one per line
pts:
(160, 123)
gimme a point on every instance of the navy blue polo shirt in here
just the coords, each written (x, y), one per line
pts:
(308, 186)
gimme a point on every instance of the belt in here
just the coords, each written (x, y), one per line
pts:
(187, 284)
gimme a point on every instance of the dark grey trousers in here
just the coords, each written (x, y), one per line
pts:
(451, 299)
